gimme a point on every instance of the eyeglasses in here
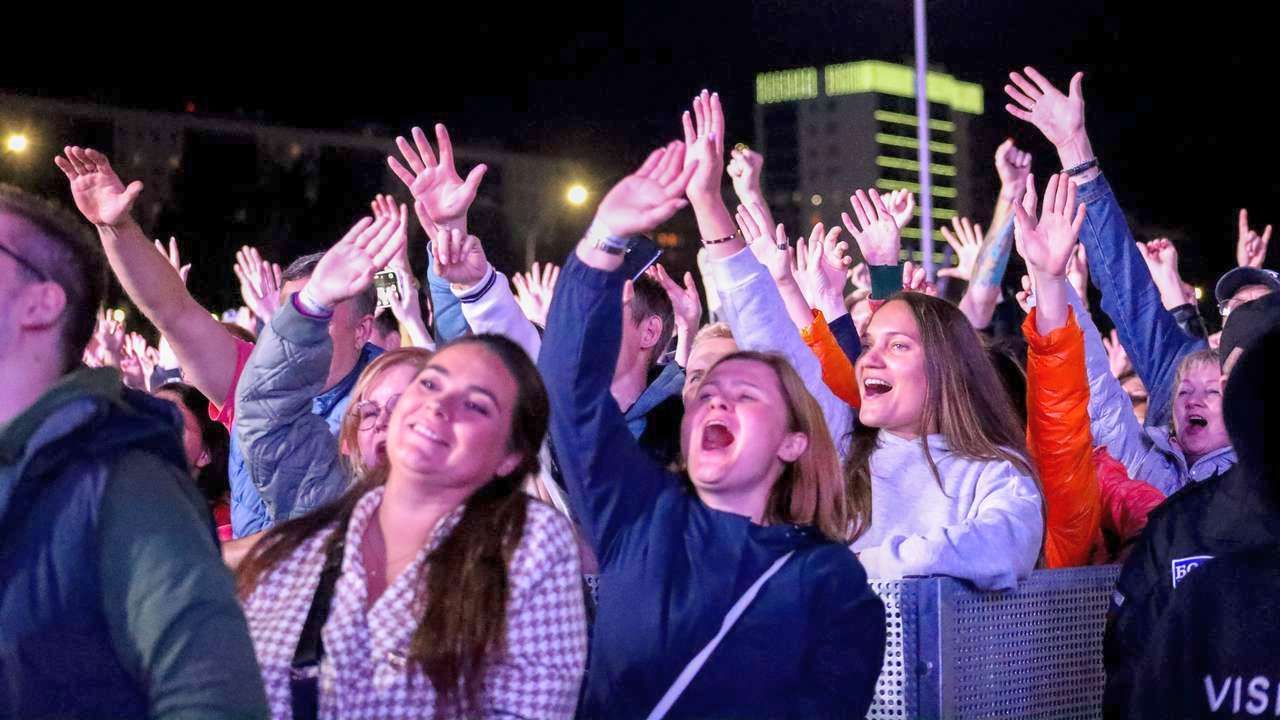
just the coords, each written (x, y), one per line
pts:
(370, 412)
(26, 264)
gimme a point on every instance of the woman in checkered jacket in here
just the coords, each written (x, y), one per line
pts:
(454, 594)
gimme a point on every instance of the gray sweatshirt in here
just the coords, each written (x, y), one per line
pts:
(984, 524)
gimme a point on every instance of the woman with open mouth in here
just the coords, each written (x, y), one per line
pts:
(937, 438)
(728, 591)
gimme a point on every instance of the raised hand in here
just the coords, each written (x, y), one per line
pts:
(1161, 257)
(459, 258)
(773, 249)
(860, 276)
(1048, 242)
(260, 282)
(172, 255)
(1078, 273)
(349, 266)
(109, 338)
(1059, 117)
(98, 192)
(744, 169)
(648, 197)
(915, 279)
(131, 369)
(902, 205)
(966, 241)
(1026, 297)
(444, 195)
(1117, 358)
(704, 140)
(1251, 248)
(822, 265)
(145, 356)
(1013, 166)
(878, 234)
(684, 300)
(535, 289)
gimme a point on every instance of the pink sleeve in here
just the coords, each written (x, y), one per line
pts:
(226, 413)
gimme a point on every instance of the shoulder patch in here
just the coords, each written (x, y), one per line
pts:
(1182, 566)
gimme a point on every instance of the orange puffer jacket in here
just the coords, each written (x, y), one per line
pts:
(1060, 442)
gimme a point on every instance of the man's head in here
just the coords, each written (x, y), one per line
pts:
(386, 330)
(1246, 323)
(52, 281)
(1250, 393)
(1242, 285)
(352, 322)
(712, 343)
(647, 323)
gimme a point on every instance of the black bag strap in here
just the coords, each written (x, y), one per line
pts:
(304, 671)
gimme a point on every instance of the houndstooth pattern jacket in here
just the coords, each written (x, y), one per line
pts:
(364, 673)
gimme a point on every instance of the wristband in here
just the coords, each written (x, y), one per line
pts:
(725, 239)
(1082, 167)
(885, 280)
(309, 306)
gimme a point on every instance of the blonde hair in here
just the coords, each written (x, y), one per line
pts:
(349, 430)
(713, 331)
(810, 490)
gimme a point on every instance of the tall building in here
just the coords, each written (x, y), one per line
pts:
(828, 131)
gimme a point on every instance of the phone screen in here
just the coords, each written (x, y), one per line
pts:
(641, 253)
(387, 286)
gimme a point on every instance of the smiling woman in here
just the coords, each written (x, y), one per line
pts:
(940, 445)
(437, 582)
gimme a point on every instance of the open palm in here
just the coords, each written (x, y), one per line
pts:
(98, 192)
(444, 195)
(1047, 243)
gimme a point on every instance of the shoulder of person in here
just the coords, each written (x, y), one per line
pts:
(548, 537)
(1187, 500)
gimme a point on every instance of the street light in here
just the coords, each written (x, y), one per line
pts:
(17, 143)
(577, 195)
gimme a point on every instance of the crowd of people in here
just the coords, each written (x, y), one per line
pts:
(361, 496)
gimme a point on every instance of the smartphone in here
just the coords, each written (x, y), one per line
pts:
(388, 288)
(641, 253)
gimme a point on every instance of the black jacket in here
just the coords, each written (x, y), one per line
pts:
(1216, 650)
(1228, 513)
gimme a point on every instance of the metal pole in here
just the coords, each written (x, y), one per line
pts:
(922, 138)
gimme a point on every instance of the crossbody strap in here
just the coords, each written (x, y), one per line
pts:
(691, 670)
(304, 671)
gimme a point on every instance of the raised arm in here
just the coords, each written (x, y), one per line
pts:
(441, 200)
(292, 455)
(611, 480)
(206, 351)
(1058, 431)
(1149, 332)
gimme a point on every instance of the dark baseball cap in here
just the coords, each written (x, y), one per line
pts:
(1239, 277)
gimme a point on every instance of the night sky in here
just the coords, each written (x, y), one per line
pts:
(1179, 103)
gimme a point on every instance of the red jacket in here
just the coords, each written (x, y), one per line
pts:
(1060, 443)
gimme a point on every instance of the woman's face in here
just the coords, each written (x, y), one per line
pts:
(1197, 411)
(705, 354)
(373, 413)
(891, 372)
(192, 443)
(452, 425)
(736, 433)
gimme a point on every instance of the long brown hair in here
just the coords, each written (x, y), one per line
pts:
(349, 430)
(464, 591)
(810, 490)
(965, 398)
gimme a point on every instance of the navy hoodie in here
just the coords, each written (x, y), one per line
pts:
(812, 643)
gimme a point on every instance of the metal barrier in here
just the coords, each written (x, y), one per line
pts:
(953, 653)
